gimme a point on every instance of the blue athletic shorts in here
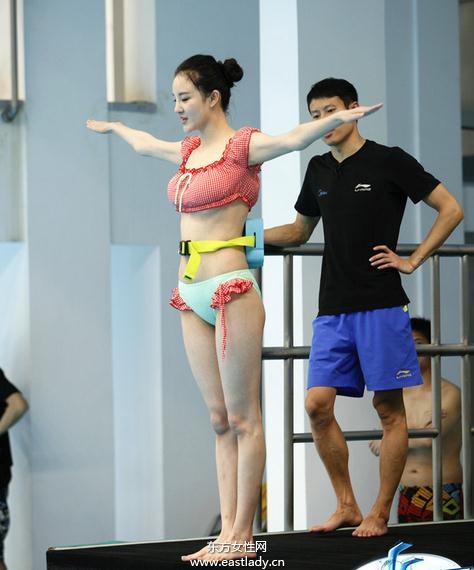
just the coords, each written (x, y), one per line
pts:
(373, 349)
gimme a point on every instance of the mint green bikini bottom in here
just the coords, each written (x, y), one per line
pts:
(207, 297)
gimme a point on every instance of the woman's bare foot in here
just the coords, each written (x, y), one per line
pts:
(231, 553)
(200, 553)
(372, 525)
(220, 549)
(344, 517)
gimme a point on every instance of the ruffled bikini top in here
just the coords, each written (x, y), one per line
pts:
(217, 184)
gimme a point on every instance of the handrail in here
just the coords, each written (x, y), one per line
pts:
(302, 352)
(289, 353)
(12, 106)
(364, 435)
(449, 250)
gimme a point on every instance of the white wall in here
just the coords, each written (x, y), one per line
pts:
(279, 91)
(137, 357)
(68, 233)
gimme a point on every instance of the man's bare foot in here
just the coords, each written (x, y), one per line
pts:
(372, 525)
(344, 517)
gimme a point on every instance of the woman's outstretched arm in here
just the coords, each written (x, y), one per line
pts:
(264, 147)
(141, 141)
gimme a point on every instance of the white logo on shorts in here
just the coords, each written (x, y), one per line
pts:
(403, 373)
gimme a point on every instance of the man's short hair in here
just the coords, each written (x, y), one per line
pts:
(421, 325)
(332, 87)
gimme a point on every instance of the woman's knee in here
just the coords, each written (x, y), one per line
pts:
(220, 421)
(244, 424)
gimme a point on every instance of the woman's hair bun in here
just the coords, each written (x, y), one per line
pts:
(232, 71)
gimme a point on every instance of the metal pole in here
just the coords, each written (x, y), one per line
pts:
(288, 392)
(302, 352)
(467, 439)
(436, 393)
(466, 419)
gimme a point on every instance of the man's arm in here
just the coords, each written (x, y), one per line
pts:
(295, 233)
(17, 406)
(450, 407)
(449, 216)
(450, 414)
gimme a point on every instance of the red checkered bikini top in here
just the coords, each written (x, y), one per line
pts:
(228, 179)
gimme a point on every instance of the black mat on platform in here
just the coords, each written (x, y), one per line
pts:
(299, 550)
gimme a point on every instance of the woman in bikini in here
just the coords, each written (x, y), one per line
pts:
(222, 314)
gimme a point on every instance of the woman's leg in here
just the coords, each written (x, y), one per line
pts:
(240, 372)
(199, 341)
(230, 385)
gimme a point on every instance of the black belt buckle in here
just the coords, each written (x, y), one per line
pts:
(184, 247)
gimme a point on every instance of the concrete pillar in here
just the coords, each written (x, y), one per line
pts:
(68, 231)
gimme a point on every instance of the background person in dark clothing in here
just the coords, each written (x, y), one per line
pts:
(12, 407)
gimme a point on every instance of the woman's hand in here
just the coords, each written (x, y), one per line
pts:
(386, 258)
(356, 113)
(99, 126)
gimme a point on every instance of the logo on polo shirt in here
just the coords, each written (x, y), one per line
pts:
(403, 373)
(321, 193)
(363, 188)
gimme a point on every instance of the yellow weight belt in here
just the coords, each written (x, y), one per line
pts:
(195, 248)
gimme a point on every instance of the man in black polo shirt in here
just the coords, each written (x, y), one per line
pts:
(12, 407)
(362, 335)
